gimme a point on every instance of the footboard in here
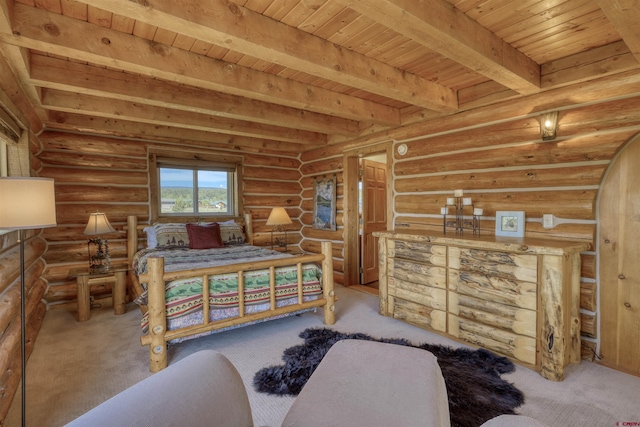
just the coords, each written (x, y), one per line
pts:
(159, 336)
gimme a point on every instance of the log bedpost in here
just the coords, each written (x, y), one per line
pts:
(132, 237)
(248, 228)
(157, 315)
(327, 284)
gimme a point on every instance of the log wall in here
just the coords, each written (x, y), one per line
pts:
(111, 175)
(323, 162)
(502, 164)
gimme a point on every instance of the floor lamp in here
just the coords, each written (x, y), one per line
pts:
(26, 203)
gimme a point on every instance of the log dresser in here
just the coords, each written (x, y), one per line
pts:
(517, 297)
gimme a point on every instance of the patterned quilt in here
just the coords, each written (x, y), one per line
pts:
(184, 296)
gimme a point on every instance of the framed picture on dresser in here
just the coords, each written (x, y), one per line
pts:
(510, 223)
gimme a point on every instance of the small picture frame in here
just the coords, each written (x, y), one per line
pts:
(510, 223)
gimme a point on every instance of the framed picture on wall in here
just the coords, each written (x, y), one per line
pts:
(510, 223)
(324, 203)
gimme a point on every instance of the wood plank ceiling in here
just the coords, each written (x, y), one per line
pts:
(291, 75)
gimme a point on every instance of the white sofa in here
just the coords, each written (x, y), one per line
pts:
(209, 389)
(358, 383)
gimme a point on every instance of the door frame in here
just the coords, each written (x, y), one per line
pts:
(351, 158)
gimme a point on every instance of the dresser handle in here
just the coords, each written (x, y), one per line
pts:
(621, 276)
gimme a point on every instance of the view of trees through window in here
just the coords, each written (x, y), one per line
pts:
(195, 191)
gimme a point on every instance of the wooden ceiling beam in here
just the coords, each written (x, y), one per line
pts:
(71, 102)
(122, 128)
(48, 32)
(439, 26)
(59, 74)
(13, 68)
(624, 15)
(231, 26)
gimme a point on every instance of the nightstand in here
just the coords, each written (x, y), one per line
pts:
(117, 275)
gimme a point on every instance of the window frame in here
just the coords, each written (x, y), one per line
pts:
(194, 161)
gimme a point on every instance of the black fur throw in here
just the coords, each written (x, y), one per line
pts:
(475, 389)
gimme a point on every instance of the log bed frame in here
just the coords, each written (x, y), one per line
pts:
(158, 335)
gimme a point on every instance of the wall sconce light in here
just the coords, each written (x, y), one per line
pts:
(278, 218)
(549, 125)
(98, 224)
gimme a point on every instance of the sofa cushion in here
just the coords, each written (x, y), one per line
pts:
(369, 383)
(202, 389)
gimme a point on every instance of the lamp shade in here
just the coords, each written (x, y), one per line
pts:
(278, 216)
(27, 203)
(98, 224)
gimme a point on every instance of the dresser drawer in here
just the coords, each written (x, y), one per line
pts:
(419, 251)
(520, 347)
(419, 315)
(424, 295)
(493, 288)
(509, 265)
(423, 274)
(521, 321)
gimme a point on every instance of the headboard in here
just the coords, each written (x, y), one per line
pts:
(135, 230)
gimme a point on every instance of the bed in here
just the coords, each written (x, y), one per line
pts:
(247, 284)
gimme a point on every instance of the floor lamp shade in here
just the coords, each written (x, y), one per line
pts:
(27, 203)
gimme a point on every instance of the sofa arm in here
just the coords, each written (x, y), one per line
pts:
(202, 389)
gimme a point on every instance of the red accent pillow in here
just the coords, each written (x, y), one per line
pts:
(204, 236)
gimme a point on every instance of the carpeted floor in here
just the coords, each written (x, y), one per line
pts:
(75, 366)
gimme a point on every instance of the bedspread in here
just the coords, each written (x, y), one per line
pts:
(184, 296)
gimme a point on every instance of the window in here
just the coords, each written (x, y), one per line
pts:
(195, 186)
(199, 191)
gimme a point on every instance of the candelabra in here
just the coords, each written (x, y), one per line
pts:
(461, 205)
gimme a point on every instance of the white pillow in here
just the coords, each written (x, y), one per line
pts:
(152, 237)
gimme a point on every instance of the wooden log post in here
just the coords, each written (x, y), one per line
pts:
(572, 263)
(383, 275)
(132, 237)
(327, 284)
(554, 344)
(157, 315)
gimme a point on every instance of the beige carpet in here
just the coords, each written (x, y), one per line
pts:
(75, 366)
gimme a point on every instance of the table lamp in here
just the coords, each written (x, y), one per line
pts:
(278, 218)
(98, 224)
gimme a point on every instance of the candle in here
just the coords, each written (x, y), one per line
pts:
(451, 201)
(466, 201)
(477, 211)
(444, 211)
(457, 193)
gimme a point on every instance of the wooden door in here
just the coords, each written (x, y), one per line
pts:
(374, 216)
(618, 241)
